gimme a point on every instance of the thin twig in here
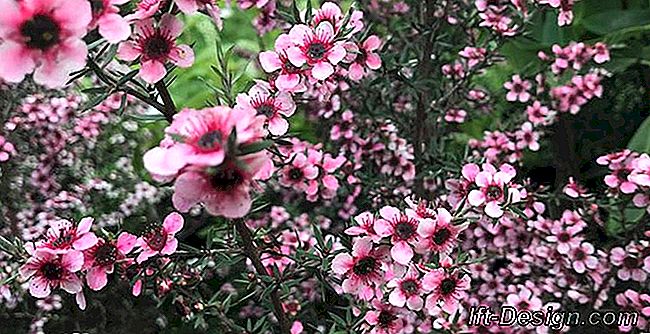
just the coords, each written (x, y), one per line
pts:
(252, 252)
(168, 103)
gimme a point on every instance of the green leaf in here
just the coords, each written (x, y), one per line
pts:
(614, 20)
(255, 147)
(641, 140)
(148, 118)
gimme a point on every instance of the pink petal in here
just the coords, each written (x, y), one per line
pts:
(170, 247)
(128, 51)
(278, 126)
(85, 241)
(16, 62)
(270, 61)
(396, 298)
(114, 28)
(336, 54)
(476, 197)
(383, 228)
(173, 223)
(72, 284)
(171, 24)
(182, 56)
(39, 287)
(322, 70)
(493, 209)
(126, 242)
(72, 261)
(402, 252)
(152, 71)
(373, 61)
(362, 247)
(96, 278)
(296, 57)
(342, 263)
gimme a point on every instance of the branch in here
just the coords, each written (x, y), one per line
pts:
(251, 252)
(168, 103)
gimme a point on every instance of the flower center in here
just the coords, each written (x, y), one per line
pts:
(386, 318)
(208, 140)
(156, 239)
(365, 266)
(405, 229)
(441, 236)
(448, 286)
(494, 192)
(41, 32)
(52, 271)
(580, 255)
(266, 109)
(523, 305)
(156, 47)
(227, 178)
(295, 174)
(410, 287)
(564, 237)
(105, 254)
(316, 50)
(630, 262)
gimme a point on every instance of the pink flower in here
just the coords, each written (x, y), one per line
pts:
(524, 300)
(288, 75)
(439, 235)
(210, 6)
(474, 55)
(362, 270)
(574, 189)
(224, 190)
(455, 115)
(201, 138)
(582, 258)
(47, 270)
(448, 287)
(44, 37)
(63, 236)
(363, 56)
(111, 25)
(275, 107)
(403, 232)
(566, 236)
(7, 149)
(630, 262)
(492, 186)
(527, 137)
(298, 172)
(159, 240)
(601, 53)
(366, 225)
(155, 45)
(407, 290)
(101, 258)
(296, 327)
(518, 89)
(384, 319)
(315, 47)
(144, 10)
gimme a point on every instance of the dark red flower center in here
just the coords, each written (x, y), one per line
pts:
(105, 254)
(448, 286)
(564, 237)
(156, 238)
(156, 46)
(494, 192)
(386, 318)
(41, 32)
(52, 271)
(295, 174)
(410, 287)
(523, 305)
(365, 266)
(405, 229)
(630, 262)
(227, 178)
(209, 140)
(580, 255)
(316, 50)
(441, 236)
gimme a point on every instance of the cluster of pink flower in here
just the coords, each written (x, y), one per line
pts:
(306, 168)
(7, 149)
(565, 16)
(629, 174)
(562, 97)
(499, 15)
(265, 20)
(403, 254)
(69, 252)
(45, 37)
(310, 56)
